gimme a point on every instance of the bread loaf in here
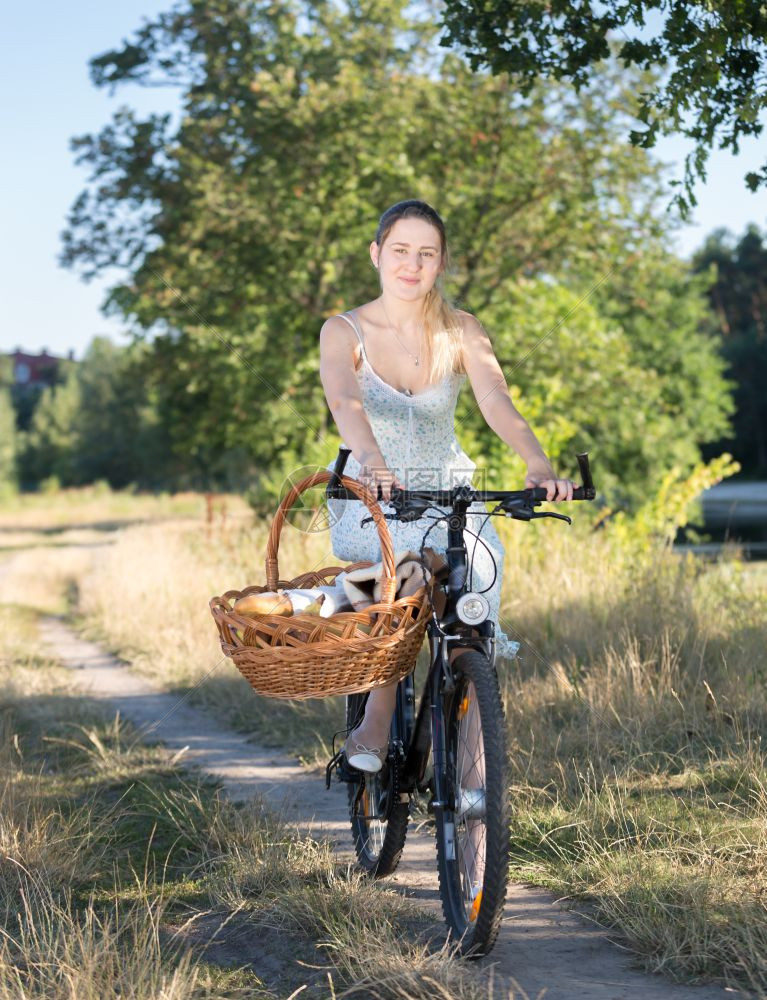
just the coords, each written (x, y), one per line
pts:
(267, 603)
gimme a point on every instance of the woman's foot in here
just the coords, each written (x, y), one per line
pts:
(368, 743)
(361, 756)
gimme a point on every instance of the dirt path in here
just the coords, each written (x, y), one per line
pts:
(542, 950)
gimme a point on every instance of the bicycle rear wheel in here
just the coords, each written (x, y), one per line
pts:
(473, 823)
(378, 818)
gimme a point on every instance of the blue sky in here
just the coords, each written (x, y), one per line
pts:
(45, 53)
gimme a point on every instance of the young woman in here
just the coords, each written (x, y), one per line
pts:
(392, 370)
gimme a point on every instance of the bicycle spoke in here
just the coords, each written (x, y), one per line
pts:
(470, 794)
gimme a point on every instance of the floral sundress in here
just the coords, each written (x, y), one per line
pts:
(416, 435)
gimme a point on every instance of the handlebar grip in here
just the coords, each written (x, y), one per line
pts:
(588, 490)
(334, 488)
(343, 458)
(579, 493)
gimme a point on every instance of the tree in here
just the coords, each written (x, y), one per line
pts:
(114, 426)
(639, 387)
(736, 274)
(49, 447)
(663, 310)
(715, 89)
(248, 225)
(101, 424)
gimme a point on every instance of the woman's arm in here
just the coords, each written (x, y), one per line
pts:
(492, 394)
(342, 392)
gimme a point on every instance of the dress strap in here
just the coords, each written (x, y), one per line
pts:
(351, 319)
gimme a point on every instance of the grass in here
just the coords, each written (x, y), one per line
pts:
(122, 877)
(98, 505)
(637, 712)
(639, 768)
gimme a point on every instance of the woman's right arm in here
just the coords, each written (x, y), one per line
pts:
(342, 392)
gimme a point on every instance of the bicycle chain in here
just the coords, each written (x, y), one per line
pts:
(397, 758)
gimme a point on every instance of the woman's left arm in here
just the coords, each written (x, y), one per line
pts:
(492, 394)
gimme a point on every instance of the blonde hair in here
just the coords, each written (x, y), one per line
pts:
(442, 327)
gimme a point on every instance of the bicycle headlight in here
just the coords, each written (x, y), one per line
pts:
(472, 608)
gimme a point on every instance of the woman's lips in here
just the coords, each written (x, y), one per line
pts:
(410, 281)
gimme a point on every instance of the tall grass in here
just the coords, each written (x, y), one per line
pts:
(638, 731)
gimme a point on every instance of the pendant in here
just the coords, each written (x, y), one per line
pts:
(416, 362)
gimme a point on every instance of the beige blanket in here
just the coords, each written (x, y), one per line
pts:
(363, 586)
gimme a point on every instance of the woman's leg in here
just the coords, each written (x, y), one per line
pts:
(373, 731)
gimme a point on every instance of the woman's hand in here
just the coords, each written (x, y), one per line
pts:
(376, 474)
(545, 477)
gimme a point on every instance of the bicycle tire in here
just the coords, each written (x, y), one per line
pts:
(473, 861)
(378, 844)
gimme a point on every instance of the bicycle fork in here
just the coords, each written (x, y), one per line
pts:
(441, 684)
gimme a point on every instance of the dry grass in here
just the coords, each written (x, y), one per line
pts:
(101, 507)
(110, 859)
(65, 806)
(638, 731)
(637, 716)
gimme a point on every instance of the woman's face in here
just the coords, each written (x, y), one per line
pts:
(409, 259)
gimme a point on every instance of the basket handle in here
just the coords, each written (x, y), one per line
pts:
(388, 579)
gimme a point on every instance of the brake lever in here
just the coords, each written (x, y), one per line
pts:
(550, 513)
(414, 514)
(367, 520)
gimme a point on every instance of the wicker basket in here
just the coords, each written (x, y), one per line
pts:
(305, 656)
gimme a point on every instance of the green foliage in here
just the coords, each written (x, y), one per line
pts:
(247, 226)
(50, 445)
(713, 92)
(269, 489)
(99, 424)
(680, 399)
(736, 277)
(674, 505)
(632, 381)
(270, 188)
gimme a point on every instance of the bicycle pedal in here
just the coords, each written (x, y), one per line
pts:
(345, 772)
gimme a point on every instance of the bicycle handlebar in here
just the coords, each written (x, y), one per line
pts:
(511, 501)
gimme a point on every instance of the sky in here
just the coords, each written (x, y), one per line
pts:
(45, 51)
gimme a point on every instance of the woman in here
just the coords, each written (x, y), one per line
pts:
(392, 371)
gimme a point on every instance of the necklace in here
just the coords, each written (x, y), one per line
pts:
(420, 331)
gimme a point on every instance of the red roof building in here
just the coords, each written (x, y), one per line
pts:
(34, 371)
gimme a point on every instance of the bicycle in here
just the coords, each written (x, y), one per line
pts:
(459, 722)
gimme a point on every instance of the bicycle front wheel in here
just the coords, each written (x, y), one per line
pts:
(473, 822)
(378, 818)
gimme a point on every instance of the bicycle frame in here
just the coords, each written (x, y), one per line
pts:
(413, 730)
(444, 633)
